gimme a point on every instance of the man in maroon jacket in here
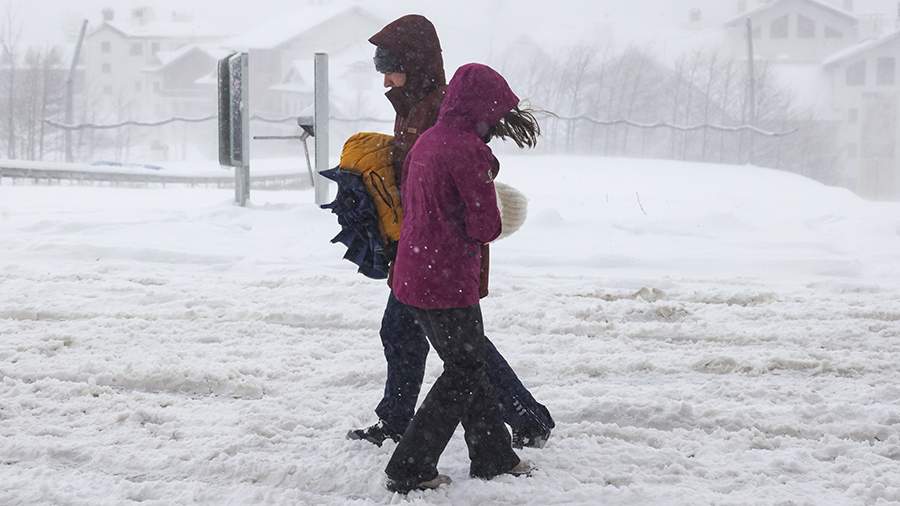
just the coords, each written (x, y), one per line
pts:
(408, 53)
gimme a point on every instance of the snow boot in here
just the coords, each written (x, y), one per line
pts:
(523, 468)
(532, 437)
(375, 434)
(404, 487)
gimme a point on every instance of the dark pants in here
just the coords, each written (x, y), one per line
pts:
(406, 349)
(462, 394)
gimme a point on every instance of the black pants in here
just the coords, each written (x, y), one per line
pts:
(462, 393)
(406, 351)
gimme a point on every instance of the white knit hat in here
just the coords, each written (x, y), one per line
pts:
(513, 208)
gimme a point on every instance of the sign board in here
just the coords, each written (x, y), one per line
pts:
(234, 121)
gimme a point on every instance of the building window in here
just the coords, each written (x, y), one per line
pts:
(832, 33)
(806, 28)
(107, 68)
(696, 15)
(107, 90)
(853, 116)
(780, 28)
(138, 86)
(887, 71)
(105, 47)
(154, 48)
(137, 49)
(856, 74)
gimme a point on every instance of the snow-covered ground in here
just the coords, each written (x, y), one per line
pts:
(703, 334)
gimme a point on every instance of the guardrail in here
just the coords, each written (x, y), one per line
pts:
(50, 176)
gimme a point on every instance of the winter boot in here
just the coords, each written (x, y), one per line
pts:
(375, 434)
(531, 437)
(523, 468)
(404, 487)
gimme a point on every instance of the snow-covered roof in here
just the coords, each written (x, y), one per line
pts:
(815, 3)
(345, 64)
(167, 58)
(161, 30)
(292, 87)
(211, 79)
(862, 47)
(285, 28)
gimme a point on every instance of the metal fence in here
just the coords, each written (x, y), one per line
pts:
(300, 180)
(19, 175)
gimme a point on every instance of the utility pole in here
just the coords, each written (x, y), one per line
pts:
(70, 91)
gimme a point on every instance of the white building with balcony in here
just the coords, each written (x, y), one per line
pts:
(120, 55)
(840, 63)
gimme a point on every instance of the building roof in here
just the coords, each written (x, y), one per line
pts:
(160, 30)
(815, 3)
(853, 51)
(279, 31)
(345, 65)
(167, 58)
(211, 79)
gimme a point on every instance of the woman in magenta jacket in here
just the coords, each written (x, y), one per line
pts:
(450, 211)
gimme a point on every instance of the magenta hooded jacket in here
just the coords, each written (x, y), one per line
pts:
(449, 201)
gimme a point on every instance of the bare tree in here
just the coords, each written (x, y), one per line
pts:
(577, 72)
(725, 100)
(10, 35)
(636, 86)
(691, 93)
(678, 78)
(710, 81)
(50, 94)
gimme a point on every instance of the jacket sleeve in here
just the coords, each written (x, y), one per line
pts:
(471, 173)
(495, 167)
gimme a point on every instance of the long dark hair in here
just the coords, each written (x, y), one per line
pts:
(520, 125)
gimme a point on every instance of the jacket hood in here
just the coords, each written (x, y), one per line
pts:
(477, 99)
(414, 41)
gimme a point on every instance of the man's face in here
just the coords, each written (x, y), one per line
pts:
(395, 80)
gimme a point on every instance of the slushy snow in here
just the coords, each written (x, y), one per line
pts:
(703, 334)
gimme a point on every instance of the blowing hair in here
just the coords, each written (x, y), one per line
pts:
(520, 125)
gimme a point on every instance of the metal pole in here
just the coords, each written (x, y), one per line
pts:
(245, 128)
(321, 126)
(70, 91)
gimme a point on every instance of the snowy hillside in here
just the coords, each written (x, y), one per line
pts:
(703, 334)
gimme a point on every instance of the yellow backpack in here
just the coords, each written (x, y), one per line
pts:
(370, 155)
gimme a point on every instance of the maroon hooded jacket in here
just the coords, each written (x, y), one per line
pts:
(450, 204)
(414, 40)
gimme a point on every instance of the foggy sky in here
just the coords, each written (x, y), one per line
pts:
(488, 20)
(475, 28)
